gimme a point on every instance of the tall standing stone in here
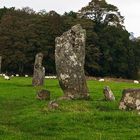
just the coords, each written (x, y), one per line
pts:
(39, 71)
(70, 59)
(0, 63)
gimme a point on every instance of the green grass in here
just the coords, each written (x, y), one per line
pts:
(22, 117)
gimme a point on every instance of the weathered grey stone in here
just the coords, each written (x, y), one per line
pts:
(130, 99)
(53, 105)
(70, 59)
(39, 71)
(109, 96)
(43, 95)
(0, 63)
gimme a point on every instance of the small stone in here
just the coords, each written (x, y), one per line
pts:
(109, 96)
(130, 99)
(53, 105)
(43, 95)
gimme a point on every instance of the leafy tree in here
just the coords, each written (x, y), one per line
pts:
(109, 52)
(102, 12)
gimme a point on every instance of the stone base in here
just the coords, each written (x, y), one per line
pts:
(74, 97)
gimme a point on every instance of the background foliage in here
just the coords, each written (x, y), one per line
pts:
(109, 51)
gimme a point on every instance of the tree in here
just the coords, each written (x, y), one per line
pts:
(109, 52)
(102, 12)
(24, 33)
(16, 37)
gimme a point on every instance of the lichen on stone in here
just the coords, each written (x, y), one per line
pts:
(64, 76)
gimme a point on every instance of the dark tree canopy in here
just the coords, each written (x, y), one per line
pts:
(109, 51)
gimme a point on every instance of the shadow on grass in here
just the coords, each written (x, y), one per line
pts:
(105, 108)
(15, 85)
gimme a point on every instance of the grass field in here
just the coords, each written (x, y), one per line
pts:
(22, 117)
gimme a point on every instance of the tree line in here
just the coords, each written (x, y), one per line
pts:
(109, 50)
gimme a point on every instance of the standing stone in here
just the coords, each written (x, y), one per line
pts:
(39, 71)
(109, 96)
(70, 59)
(130, 99)
(0, 63)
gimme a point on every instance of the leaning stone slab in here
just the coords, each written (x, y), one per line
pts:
(109, 96)
(130, 99)
(39, 71)
(70, 60)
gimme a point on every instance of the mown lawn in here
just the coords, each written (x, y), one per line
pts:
(22, 117)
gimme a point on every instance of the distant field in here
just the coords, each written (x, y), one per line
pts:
(22, 117)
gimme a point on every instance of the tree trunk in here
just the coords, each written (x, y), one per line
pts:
(0, 63)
